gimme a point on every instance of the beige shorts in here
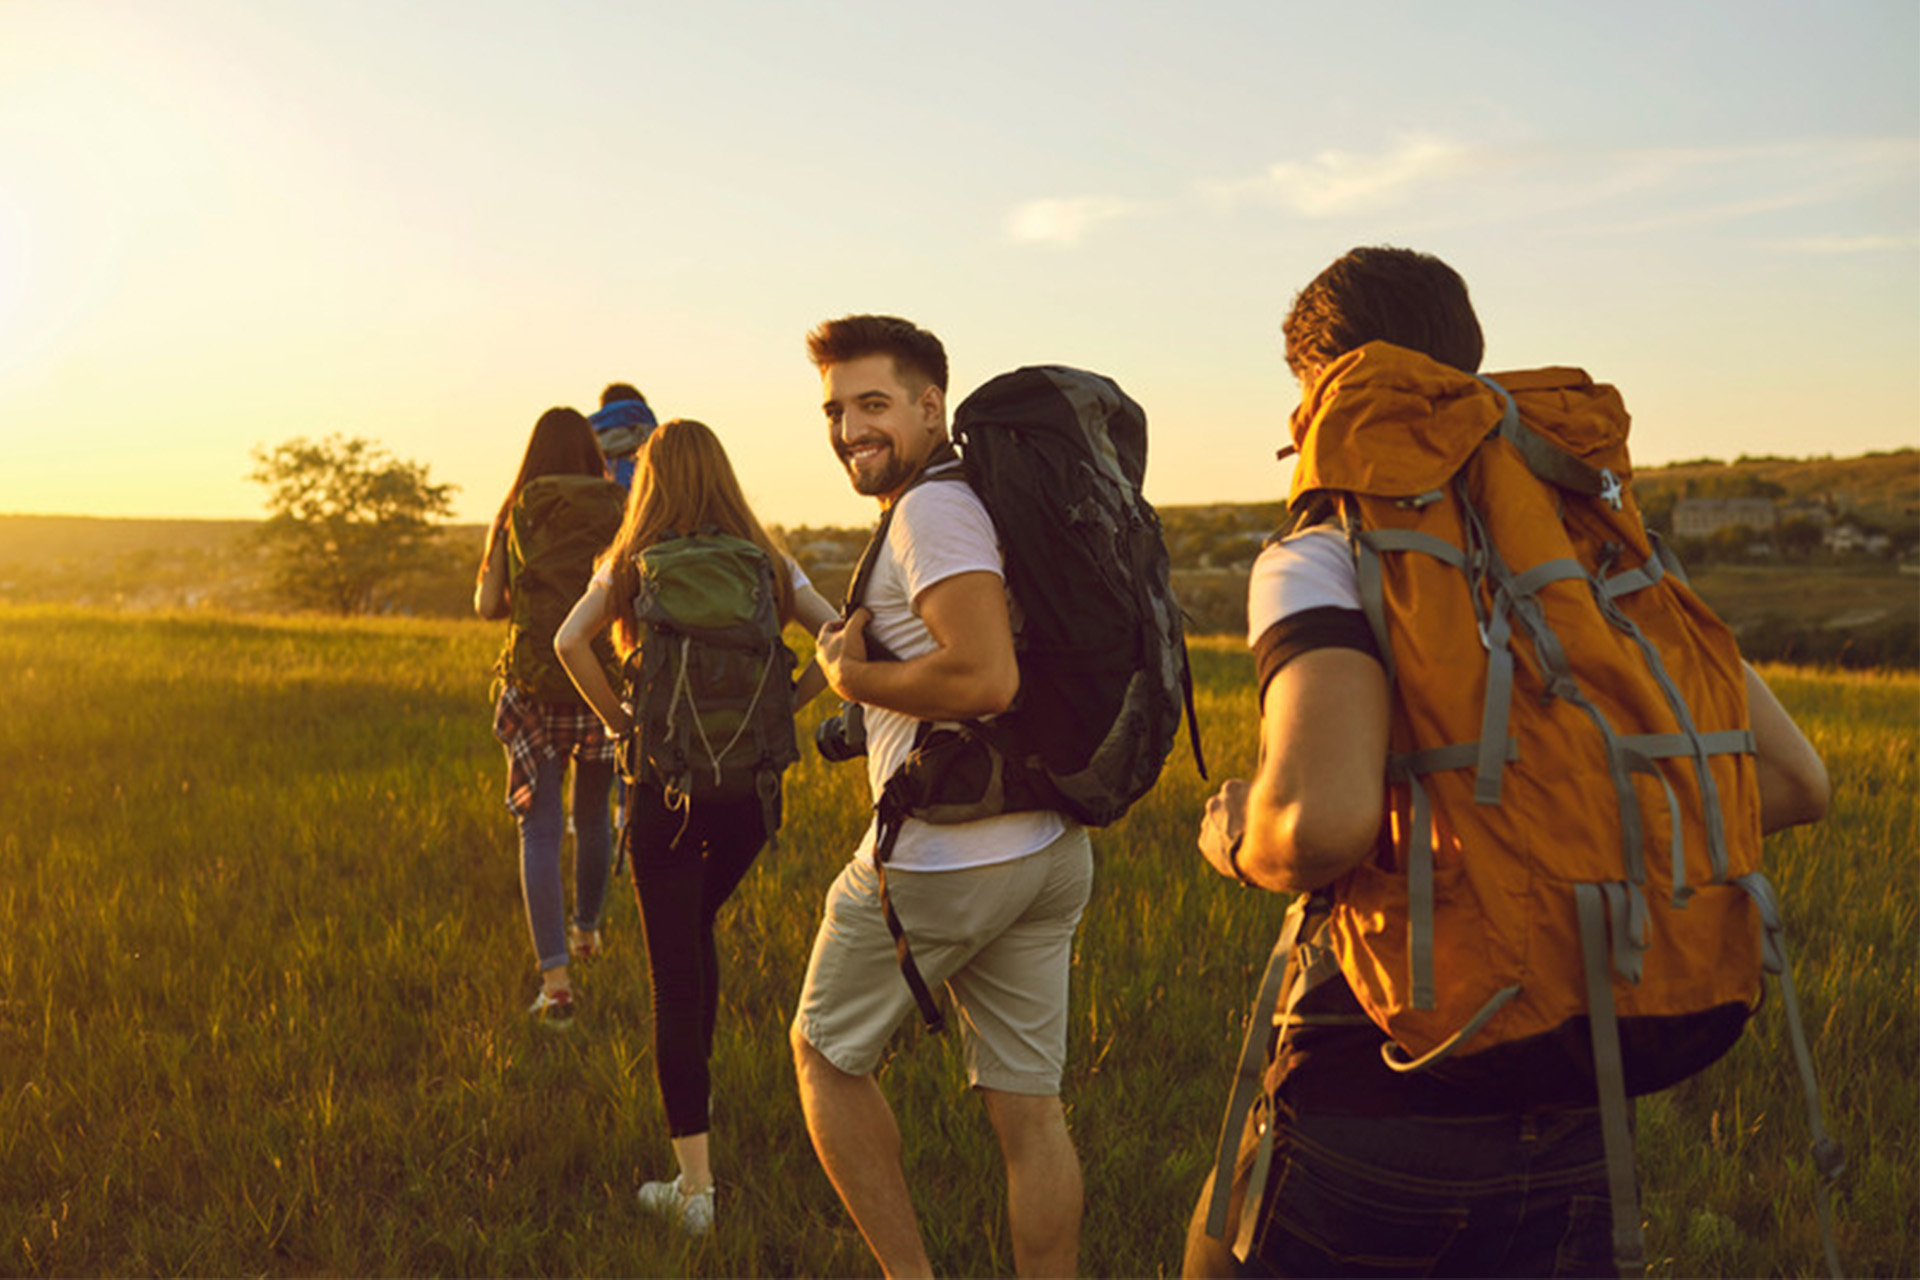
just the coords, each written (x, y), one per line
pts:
(1000, 937)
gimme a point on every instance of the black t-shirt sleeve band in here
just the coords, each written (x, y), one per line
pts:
(1328, 627)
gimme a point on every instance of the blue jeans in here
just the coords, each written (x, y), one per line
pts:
(1509, 1195)
(542, 830)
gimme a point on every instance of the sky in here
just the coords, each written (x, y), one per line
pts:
(224, 225)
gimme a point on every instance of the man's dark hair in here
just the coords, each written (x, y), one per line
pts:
(620, 391)
(1382, 294)
(917, 354)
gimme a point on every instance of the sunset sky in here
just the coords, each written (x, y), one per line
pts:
(226, 224)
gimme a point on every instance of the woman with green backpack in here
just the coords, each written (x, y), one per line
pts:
(560, 512)
(696, 592)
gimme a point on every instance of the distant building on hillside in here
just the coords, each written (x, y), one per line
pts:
(1846, 536)
(1814, 513)
(1704, 517)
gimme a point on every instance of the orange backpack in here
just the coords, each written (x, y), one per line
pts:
(1569, 727)
(1567, 902)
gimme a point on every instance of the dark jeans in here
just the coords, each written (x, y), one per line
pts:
(1514, 1195)
(681, 888)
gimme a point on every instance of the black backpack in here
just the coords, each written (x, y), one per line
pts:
(1057, 455)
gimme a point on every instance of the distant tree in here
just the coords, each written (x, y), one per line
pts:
(1730, 544)
(1736, 484)
(1798, 538)
(346, 521)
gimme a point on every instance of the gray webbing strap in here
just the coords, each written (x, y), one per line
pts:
(1640, 763)
(1373, 599)
(1407, 768)
(1548, 460)
(1668, 557)
(1528, 584)
(1256, 1191)
(1629, 1247)
(1632, 842)
(1420, 899)
(1494, 709)
(1709, 789)
(1632, 580)
(1496, 633)
(1253, 1062)
(1666, 746)
(1645, 748)
(1406, 765)
(1828, 1158)
(1395, 1057)
(1513, 594)
(1413, 540)
(1523, 593)
(1627, 914)
(1717, 857)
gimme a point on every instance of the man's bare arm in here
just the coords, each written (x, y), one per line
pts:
(1793, 779)
(971, 671)
(1314, 808)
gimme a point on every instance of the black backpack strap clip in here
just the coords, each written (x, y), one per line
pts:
(891, 812)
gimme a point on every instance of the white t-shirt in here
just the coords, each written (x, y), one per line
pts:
(938, 531)
(1309, 570)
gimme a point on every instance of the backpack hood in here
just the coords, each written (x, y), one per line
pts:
(582, 497)
(1390, 422)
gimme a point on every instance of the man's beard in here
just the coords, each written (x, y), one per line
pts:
(875, 483)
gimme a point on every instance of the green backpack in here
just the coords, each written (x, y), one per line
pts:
(557, 526)
(710, 681)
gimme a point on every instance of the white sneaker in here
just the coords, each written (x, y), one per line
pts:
(553, 1011)
(693, 1209)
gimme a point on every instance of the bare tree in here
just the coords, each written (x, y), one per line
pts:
(346, 520)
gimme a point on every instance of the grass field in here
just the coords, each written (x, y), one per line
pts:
(260, 1009)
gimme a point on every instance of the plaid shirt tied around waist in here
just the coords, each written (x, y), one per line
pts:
(534, 732)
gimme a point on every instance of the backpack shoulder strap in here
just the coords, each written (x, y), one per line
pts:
(863, 570)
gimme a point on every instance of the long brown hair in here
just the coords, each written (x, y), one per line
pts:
(562, 444)
(683, 483)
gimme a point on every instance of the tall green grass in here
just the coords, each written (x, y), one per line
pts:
(261, 996)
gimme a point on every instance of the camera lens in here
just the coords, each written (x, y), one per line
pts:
(843, 736)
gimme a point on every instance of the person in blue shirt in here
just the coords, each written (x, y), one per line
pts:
(623, 423)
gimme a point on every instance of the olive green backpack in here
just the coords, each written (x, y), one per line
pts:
(557, 526)
(711, 680)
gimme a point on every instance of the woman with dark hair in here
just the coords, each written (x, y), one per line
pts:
(559, 514)
(682, 481)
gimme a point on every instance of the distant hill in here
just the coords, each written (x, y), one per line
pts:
(1880, 488)
(1831, 610)
(102, 562)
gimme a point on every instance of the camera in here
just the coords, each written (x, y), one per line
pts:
(842, 736)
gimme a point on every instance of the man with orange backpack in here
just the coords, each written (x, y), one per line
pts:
(1517, 775)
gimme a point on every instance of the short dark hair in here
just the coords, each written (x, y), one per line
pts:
(1383, 294)
(620, 391)
(916, 353)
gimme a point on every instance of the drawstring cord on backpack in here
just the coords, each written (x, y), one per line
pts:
(681, 689)
(678, 797)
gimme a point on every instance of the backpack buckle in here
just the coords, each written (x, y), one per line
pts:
(1611, 491)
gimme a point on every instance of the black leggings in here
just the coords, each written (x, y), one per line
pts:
(681, 888)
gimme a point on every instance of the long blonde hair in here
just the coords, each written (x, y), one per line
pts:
(683, 483)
